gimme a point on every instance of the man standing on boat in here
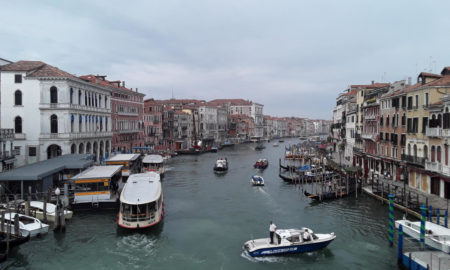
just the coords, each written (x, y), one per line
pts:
(272, 229)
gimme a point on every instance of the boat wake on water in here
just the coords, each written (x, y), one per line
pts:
(280, 259)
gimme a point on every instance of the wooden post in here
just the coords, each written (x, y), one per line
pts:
(66, 195)
(3, 222)
(8, 232)
(356, 186)
(16, 225)
(45, 210)
(27, 205)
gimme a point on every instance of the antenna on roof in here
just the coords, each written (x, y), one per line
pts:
(172, 93)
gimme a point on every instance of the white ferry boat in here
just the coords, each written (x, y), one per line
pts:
(131, 163)
(153, 163)
(141, 201)
(98, 186)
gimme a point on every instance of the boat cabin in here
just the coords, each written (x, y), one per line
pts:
(295, 235)
(97, 186)
(153, 163)
(141, 201)
(131, 163)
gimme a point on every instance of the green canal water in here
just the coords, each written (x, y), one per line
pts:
(209, 217)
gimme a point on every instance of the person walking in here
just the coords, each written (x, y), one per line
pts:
(272, 229)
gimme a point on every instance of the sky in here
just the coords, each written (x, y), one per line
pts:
(294, 57)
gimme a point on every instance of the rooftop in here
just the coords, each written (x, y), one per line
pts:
(36, 69)
(42, 169)
(98, 172)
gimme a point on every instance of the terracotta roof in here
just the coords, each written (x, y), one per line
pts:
(351, 93)
(235, 102)
(427, 74)
(101, 80)
(37, 69)
(373, 85)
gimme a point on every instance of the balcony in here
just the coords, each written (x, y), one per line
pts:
(7, 155)
(126, 131)
(445, 132)
(74, 136)
(6, 134)
(420, 161)
(433, 166)
(128, 113)
(446, 170)
(370, 117)
(369, 136)
(434, 132)
(68, 106)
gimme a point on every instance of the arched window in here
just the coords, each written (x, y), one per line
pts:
(18, 124)
(446, 154)
(53, 95)
(409, 149)
(415, 150)
(106, 100)
(433, 154)
(425, 152)
(53, 124)
(85, 99)
(79, 97)
(438, 154)
(439, 120)
(71, 96)
(18, 98)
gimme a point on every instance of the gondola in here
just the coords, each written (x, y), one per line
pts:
(326, 195)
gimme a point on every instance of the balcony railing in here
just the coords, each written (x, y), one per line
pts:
(71, 136)
(446, 132)
(414, 160)
(433, 166)
(369, 136)
(434, 132)
(370, 117)
(68, 106)
(6, 134)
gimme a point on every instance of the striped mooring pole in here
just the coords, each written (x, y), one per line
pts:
(438, 217)
(423, 210)
(430, 213)
(400, 245)
(446, 218)
(391, 219)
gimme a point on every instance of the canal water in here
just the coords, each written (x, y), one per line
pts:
(209, 217)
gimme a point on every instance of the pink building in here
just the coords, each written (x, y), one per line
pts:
(153, 119)
(127, 114)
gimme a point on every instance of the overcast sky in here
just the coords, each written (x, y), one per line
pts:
(292, 56)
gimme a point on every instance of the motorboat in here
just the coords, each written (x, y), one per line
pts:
(257, 180)
(288, 241)
(260, 147)
(153, 163)
(228, 143)
(221, 165)
(436, 236)
(14, 240)
(141, 201)
(262, 163)
(37, 210)
(27, 225)
(275, 144)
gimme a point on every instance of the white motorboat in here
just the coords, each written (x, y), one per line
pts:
(257, 180)
(221, 166)
(37, 208)
(141, 201)
(436, 236)
(153, 163)
(288, 241)
(27, 225)
(275, 144)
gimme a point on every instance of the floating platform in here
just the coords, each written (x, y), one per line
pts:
(426, 260)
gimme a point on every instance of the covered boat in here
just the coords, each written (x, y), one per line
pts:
(257, 180)
(37, 210)
(221, 165)
(28, 226)
(436, 236)
(262, 163)
(289, 241)
(141, 201)
(260, 147)
(153, 163)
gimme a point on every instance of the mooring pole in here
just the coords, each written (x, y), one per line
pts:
(400, 245)
(438, 217)
(423, 210)
(391, 219)
(430, 213)
(446, 218)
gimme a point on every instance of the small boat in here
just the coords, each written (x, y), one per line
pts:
(260, 147)
(141, 201)
(261, 163)
(227, 144)
(281, 141)
(27, 225)
(275, 144)
(329, 195)
(221, 165)
(289, 241)
(37, 210)
(14, 240)
(436, 236)
(257, 180)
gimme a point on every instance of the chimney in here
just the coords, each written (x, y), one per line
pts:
(137, 89)
(373, 82)
(409, 80)
(123, 84)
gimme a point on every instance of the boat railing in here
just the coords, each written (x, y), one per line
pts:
(139, 217)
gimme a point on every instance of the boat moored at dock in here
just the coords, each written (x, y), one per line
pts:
(28, 226)
(37, 210)
(436, 236)
(141, 201)
(288, 241)
(131, 163)
(98, 186)
(153, 163)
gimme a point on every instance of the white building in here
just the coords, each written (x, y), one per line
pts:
(53, 112)
(255, 111)
(208, 123)
(350, 127)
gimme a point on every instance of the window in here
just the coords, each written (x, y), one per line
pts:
(404, 102)
(31, 151)
(18, 124)
(71, 95)
(18, 78)
(18, 98)
(387, 120)
(381, 121)
(416, 104)
(53, 124)
(415, 124)
(424, 124)
(410, 103)
(381, 136)
(426, 99)
(409, 125)
(79, 97)
(403, 140)
(53, 95)
(403, 120)
(438, 154)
